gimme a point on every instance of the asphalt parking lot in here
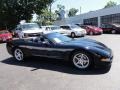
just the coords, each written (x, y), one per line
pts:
(48, 74)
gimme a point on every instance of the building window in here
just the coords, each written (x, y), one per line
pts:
(91, 21)
(113, 18)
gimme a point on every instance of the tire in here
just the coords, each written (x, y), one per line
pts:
(101, 33)
(81, 60)
(73, 35)
(18, 54)
(16, 35)
(113, 31)
(91, 33)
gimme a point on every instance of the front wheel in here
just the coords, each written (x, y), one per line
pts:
(18, 54)
(81, 60)
(91, 33)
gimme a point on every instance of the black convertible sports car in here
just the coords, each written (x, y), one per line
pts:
(82, 52)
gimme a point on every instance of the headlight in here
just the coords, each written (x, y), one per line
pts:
(84, 31)
(105, 60)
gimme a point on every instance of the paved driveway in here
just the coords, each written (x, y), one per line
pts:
(49, 74)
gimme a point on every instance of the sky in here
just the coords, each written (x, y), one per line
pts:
(86, 5)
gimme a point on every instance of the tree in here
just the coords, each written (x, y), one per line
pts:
(72, 12)
(110, 4)
(51, 9)
(46, 18)
(13, 11)
(60, 8)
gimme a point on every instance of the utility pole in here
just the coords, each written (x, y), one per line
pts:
(50, 11)
(80, 9)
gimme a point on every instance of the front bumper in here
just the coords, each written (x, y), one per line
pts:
(98, 32)
(99, 63)
(9, 48)
(32, 34)
(80, 34)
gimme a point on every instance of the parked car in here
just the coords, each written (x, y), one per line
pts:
(5, 36)
(82, 53)
(27, 30)
(111, 28)
(72, 30)
(92, 30)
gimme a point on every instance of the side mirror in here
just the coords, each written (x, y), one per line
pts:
(45, 43)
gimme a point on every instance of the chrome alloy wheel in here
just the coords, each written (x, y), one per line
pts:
(113, 31)
(18, 54)
(91, 33)
(81, 61)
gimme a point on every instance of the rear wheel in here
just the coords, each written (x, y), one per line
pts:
(113, 31)
(81, 60)
(18, 54)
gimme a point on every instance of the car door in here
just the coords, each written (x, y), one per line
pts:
(66, 30)
(38, 48)
(106, 28)
(49, 49)
(57, 51)
(19, 32)
(46, 48)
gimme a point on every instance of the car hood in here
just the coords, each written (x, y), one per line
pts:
(98, 29)
(87, 43)
(91, 46)
(33, 31)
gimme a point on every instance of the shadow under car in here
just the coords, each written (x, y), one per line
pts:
(53, 65)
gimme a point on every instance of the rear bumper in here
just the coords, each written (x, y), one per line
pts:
(9, 49)
(98, 32)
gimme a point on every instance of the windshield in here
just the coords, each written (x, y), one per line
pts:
(117, 25)
(74, 26)
(29, 26)
(58, 38)
(54, 28)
